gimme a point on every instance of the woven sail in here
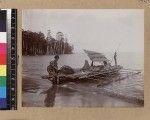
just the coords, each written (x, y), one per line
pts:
(95, 56)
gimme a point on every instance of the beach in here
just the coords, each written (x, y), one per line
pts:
(38, 92)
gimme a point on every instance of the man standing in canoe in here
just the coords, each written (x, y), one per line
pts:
(115, 58)
(52, 69)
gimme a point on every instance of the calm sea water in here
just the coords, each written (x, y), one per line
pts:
(40, 92)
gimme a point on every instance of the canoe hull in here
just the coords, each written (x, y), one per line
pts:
(85, 76)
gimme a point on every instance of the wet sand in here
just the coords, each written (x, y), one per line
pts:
(36, 94)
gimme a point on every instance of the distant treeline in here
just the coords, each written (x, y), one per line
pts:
(34, 43)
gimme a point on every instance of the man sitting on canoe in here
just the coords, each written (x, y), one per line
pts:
(52, 69)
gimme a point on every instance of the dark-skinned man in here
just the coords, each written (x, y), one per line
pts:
(52, 69)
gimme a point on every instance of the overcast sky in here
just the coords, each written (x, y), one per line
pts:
(100, 30)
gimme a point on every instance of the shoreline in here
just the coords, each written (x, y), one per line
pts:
(31, 87)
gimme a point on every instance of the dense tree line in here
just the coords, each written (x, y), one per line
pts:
(34, 43)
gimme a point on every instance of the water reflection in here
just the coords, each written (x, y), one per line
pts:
(50, 96)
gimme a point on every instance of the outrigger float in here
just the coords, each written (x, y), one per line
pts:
(102, 74)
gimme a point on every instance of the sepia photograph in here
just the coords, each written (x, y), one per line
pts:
(83, 58)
